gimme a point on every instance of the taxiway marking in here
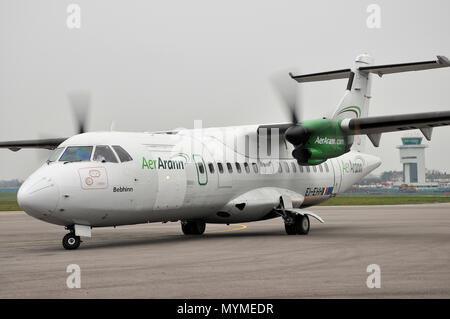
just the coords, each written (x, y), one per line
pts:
(241, 227)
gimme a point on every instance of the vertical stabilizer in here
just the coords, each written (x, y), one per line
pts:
(356, 99)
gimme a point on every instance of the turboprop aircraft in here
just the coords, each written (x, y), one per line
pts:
(217, 175)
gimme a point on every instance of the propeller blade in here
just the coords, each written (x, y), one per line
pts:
(80, 103)
(288, 91)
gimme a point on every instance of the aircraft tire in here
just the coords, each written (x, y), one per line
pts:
(290, 229)
(302, 225)
(193, 227)
(71, 242)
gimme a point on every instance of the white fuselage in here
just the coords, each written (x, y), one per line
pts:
(176, 176)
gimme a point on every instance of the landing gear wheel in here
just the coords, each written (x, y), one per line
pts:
(193, 227)
(302, 225)
(290, 229)
(70, 241)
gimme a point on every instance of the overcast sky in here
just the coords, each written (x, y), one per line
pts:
(153, 65)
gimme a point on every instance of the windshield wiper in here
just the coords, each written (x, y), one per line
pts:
(65, 162)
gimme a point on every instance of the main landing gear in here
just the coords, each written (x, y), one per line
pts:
(296, 221)
(193, 227)
(297, 225)
(70, 241)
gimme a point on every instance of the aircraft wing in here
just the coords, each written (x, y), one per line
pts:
(48, 143)
(373, 126)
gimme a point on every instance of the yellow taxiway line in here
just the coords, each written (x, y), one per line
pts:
(228, 230)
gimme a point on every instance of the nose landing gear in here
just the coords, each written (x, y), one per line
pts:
(70, 241)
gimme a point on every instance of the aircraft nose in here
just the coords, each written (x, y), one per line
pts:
(38, 197)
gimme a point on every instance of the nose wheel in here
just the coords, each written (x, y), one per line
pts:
(70, 241)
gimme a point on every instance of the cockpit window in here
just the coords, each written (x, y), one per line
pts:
(123, 155)
(104, 154)
(55, 154)
(76, 154)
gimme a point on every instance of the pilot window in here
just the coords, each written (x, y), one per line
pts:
(294, 168)
(201, 169)
(220, 167)
(247, 168)
(76, 154)
(123, 155)
(230, 168)
(104, 154)
(55, 154)
(211, 168)
(238, 167)
(255, 167)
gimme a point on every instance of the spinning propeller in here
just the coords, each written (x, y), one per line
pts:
(288, 92)
(80, 102)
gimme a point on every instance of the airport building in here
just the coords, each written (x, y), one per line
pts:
(412, 157)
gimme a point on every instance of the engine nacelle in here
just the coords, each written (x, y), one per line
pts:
(318, 140)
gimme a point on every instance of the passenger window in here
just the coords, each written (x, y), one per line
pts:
(55, 154)
(211, 168)
(255, 167)
(321, 168)
(280, 169)
(294, 168)
(315, 169)
(238, 168)
(286, 167)
(230, 168)
(220, 167)
(104, 154)
(201, 168)
(77, 154)
(308, 170)
(247, 168)
(123, 155)
(326, 167)
(301, 168)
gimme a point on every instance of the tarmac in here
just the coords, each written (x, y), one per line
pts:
(409, 243)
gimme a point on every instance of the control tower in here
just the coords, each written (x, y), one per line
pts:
(412, 156)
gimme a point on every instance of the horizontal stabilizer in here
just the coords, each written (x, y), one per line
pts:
(441, 62)
(322, 76)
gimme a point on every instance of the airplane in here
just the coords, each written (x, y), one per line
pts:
(224, 175)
